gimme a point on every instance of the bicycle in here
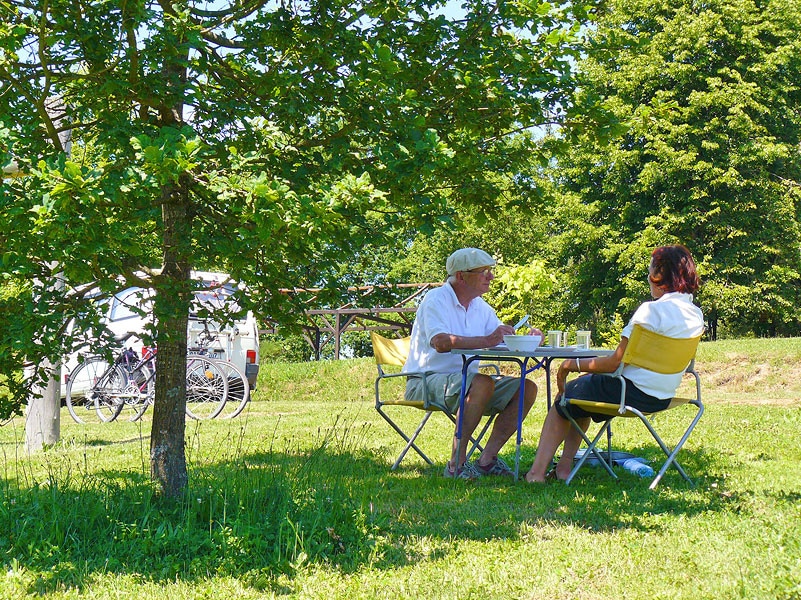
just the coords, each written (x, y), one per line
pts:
(206, 387)
(238, 386)
(97, 391)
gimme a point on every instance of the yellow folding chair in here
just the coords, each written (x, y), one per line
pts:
(390, 355)
(657, 353)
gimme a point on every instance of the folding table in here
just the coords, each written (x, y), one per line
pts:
(540, 358)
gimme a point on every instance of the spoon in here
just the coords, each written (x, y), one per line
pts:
(521, 322)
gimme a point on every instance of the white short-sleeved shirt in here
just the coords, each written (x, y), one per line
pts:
(441, 312)
(673, 315)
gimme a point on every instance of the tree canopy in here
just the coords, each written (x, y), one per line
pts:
(692, 136)
(267, 139)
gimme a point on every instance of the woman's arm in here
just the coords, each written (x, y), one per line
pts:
(596, 364)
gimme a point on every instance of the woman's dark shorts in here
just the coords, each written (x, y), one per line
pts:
(600, 388)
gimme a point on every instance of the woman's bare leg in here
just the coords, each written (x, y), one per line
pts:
(554, 431)
(572, 442)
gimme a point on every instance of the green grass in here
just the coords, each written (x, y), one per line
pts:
(295, 499)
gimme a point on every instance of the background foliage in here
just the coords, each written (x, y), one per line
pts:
(699, 144)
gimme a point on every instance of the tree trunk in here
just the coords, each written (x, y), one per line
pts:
(167, 447)
(43, 415)
(171, 306)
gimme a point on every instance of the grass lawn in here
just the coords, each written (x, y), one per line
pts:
(295, 499)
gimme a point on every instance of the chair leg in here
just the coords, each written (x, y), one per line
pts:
(411, 443)
(590, 448)
(671, 460)
(409, 440)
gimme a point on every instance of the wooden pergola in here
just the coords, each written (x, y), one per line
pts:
(326, 326)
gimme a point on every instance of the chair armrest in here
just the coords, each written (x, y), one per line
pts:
(490, 365)
(618, 374)
(418, 374)
(389, 375)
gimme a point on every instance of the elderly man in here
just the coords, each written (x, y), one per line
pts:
(455, 316)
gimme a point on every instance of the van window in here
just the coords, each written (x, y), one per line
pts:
(125, 302)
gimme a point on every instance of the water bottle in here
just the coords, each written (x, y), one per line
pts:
(638, 466)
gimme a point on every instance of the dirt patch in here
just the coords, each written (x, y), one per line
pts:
(739, 380)
(756, 383)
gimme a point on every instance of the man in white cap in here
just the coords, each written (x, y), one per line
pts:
(455, 316)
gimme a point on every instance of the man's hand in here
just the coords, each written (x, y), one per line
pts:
(496, 337)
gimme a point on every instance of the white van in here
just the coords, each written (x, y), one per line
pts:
(237, 342)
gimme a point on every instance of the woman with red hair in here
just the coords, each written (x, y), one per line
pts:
(673, 281)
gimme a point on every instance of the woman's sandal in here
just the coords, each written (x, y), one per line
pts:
(549, 477)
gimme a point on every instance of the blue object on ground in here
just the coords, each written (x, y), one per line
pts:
(638, 466)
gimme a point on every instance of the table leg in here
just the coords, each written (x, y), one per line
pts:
(465, 362)
(548, 380)
(521, 398)
(524, 370)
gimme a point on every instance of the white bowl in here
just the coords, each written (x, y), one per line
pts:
(522, 343)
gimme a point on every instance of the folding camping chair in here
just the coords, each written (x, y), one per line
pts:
(392, 353)
(657, 353)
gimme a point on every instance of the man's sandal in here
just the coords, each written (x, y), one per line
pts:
(496, 467)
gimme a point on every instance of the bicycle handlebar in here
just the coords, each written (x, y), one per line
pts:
(124, 336)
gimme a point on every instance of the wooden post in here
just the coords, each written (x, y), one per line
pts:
(338, 322)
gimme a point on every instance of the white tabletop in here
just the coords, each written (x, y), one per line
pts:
(541, 352)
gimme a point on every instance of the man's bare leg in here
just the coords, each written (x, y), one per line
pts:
(506, 423)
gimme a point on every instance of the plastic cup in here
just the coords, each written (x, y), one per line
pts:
(555, 338)
(582, 339)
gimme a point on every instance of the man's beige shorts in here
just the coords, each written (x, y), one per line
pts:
(443, 389)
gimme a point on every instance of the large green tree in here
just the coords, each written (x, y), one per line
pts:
(707, 154)
(268, 139)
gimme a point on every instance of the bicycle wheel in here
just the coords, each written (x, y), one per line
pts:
(143, 381)
(93, 391)
(206, 388)
(238, 390)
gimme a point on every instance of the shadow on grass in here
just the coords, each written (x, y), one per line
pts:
(262, 515)
(420, 502)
